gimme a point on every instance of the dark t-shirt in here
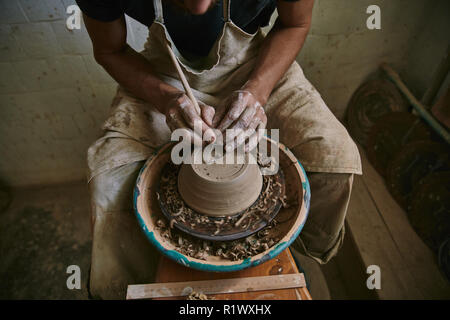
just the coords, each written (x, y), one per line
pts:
(192, 34)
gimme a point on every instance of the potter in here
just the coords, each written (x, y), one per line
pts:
(242, 78)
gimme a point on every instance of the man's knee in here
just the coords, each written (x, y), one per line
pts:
(323, 233)
(112, 190)
(330, 149)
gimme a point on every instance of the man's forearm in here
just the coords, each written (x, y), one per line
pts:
(132, 71)
(279, 50)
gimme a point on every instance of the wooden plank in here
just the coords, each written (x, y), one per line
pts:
(217, 286)
(353, 269)
(376, 247)
(417, 257)
(170, 271)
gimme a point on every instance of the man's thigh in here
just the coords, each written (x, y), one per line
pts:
(121, 254)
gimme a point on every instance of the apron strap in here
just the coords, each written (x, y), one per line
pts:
(157, 6)
(226, 10)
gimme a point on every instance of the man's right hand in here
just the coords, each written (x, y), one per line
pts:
(181, 114)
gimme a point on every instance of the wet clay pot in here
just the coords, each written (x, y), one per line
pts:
(220, 189)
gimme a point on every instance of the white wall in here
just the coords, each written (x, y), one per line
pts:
(54, 98)
(53, 95)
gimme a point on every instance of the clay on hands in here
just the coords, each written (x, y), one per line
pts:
(243, 115)
(181, 114)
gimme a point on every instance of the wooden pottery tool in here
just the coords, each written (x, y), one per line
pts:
(183, 79)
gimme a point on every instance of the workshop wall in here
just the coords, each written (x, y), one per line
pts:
(428, 48)
(341, 51)
(54, 97)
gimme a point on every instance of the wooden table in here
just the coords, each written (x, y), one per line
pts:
(170, 271)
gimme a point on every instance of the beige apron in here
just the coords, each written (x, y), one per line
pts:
(121, 255)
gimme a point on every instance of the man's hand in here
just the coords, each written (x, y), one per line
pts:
(243, 110)
(181, 114)
(133, 72)
(242, 114)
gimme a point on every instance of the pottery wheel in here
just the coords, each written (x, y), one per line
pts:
(237, 226)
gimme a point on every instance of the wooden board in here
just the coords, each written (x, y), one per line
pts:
(376, 246)
(352, 270)
(170, 271)
(417, 257)
(215, 286)
(384, 237)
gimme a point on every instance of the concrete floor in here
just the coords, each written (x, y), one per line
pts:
(46, 229)
(43, 231)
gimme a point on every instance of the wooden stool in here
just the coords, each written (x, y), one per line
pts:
(170, 271)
